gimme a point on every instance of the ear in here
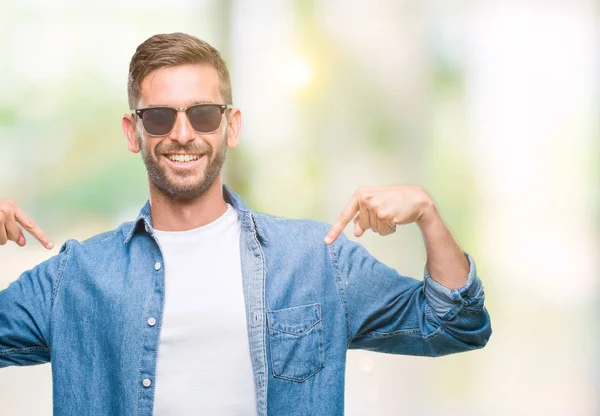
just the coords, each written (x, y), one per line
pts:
(234, 125)
(128, 126)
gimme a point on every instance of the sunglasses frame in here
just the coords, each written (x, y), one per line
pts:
(140, 113)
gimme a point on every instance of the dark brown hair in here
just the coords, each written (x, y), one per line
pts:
(165, 50)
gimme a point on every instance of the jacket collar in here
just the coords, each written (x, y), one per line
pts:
(143, 222)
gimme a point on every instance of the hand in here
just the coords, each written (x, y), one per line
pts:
(381, 209)
(10, 218)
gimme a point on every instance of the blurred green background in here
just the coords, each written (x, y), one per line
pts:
(491, 106)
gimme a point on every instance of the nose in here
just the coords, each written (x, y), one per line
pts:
(182, 130)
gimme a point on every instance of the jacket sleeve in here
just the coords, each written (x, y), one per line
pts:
(25, 313)
(388, 312)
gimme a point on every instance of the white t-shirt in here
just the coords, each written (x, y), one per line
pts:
(204, 365)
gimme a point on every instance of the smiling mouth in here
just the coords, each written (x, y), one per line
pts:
(182, 158)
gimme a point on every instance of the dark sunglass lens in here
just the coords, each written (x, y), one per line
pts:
(158, 121)
(205, 118)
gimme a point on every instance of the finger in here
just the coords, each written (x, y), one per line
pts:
(358, 232)
(385, 229)
(364, 219)
(3, 236)
(13, 231)
(33, 228)
(345, 217)
(21, 241)
(374, 220)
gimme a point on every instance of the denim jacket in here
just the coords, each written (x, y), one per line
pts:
(95, 310)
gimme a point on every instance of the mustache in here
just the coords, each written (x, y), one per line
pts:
(196, 148)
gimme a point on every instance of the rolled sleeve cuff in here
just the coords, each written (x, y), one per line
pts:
(446, 303)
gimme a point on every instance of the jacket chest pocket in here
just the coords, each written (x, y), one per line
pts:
(296, 341)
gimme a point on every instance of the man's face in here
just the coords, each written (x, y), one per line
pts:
(184, 163)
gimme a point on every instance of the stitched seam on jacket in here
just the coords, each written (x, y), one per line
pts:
(56, 288)
(293, 333)
(342, 294)
(295, 307)
(108, 237)
(26, 350)
(142, 342)
(61, 270)
(409, 331)
(263, 294)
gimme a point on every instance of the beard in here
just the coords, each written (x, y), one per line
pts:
(183, 186)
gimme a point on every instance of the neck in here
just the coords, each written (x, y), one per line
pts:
(172, 215)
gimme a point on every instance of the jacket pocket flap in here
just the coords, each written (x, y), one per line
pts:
(296, 320)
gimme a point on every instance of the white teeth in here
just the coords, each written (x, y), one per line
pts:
(183, 158)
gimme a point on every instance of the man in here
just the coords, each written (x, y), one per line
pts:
(202, 306)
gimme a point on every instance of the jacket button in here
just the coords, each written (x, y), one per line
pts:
(151, 321)
(256, 315)
(146, 382)
(157, 266)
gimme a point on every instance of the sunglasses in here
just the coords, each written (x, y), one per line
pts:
(204, 118)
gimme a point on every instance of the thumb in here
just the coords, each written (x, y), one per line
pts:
(21, 241)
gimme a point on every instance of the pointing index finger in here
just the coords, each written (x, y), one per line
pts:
(344, 219)
(33, 228)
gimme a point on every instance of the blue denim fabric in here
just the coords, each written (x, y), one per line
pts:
(87, 309)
